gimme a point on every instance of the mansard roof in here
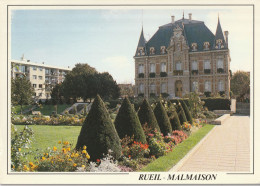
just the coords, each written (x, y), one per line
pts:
(194, 32)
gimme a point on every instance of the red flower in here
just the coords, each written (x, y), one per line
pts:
(98, 160)
(129, 156)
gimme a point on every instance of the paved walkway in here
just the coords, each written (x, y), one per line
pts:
(226, 149)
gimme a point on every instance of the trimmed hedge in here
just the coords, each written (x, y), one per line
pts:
(146, 115)
(174, 119)
(187, 112)
(162, 119)
(98, 132)
(216, 103)
(181, 113)
(127, 122)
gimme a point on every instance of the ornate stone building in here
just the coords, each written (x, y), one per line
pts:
(181, 57)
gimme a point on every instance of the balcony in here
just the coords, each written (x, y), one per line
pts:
(152, 75)
(141, 75)
(207, 71)
(194, 72)
(207, 93)
(220, 70)
(178, 72)
(163, 74)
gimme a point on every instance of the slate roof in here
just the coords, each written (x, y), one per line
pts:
(141, 42)
(194, 31)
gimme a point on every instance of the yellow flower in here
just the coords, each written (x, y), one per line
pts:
(68, 149)
(69, 159)
(43, 158)
(76, 155)
(84, 152)
(74, 165)
(19, 149)
(51, 162)
(64, 150)
(59, 142)
(84, 147)
(83, 166)
(65, 142)
(31, 164)
(72, 155)
(25, 167)
(87, 156)
(54, 148)
(67, 156)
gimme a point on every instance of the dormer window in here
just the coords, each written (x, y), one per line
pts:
(206, 45)
(219, 44)
(140, 51)
(194, 46)
(163, 50)
(152, 50)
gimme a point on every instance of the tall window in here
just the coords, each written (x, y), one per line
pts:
(34, 85)
(47, 71)
(163, 67)
(40, 77)
(194, 65)
(34, 68)
(152, 68)
(22, 69)
(163, 88)
(178, 65)
(40, 85)
(152, 88)
(207, 64)
(141, 88)
(207, 86)
(34, 77)
(141, 68)
(220, 63)
(195, 86)
(221, 86)
(40, 68)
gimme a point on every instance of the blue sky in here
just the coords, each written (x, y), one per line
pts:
(107, 38)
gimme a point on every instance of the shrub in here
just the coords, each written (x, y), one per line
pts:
(174, 118)
(127, 122)
(162, 119)
(186, 110)
(146, 115)
(40, 102)
(181, 113)
(98, 132)
(217, 103)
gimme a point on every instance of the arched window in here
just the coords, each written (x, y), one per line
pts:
(220, 85)
(163, 88)
(163, 50)
(206, 45)
(141, 88)
(194, 46)
(152, 50)
(152, 88)
(207, 86)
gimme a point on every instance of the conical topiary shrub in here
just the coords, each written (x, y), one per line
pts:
(181, 113)
(187, 112)
(127, 122)
(174, 118)
(162, 119)
(146, 115)
(98, 132)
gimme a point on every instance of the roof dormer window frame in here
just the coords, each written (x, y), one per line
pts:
(194, 46)
(152, 50)
(206, 45)
(163, 50)
(219, 44)
(140, 51)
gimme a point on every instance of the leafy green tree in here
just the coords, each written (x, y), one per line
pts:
(21, 91)
(98, 132)
(57, 93)
(187, 112)
(195, 104)
(109, 88)
(128, 124)
(146, 115)
(162, 119)
(240, 83)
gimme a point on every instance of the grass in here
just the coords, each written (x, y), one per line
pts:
(48, 136)
(17, 108)
(165, 163)
(47, 109)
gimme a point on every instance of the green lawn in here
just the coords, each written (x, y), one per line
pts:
(17, 108)
(48, 136)
(165, 163)
(47, 109)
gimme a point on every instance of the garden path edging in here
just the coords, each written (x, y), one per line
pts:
(176, 167)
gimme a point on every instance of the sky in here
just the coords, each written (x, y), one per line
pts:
(106, 38)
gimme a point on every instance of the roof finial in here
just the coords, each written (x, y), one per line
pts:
(142, 17)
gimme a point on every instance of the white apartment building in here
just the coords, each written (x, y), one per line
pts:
(43, 77)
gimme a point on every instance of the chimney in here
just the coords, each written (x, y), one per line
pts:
(68, 66)
(190, 16)
(43, 63)
(226, 37)
(173, 19)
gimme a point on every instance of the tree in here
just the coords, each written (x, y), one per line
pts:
(162, 119)
(195, 104)
(127, 122)
(57, 93)
(240, 83)
(98, 132)
(146, 115)
(21, 91)
(187, 112)
(181, 113)
(174, 118)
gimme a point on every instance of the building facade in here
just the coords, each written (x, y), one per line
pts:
(43, 77)
(181, 57)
